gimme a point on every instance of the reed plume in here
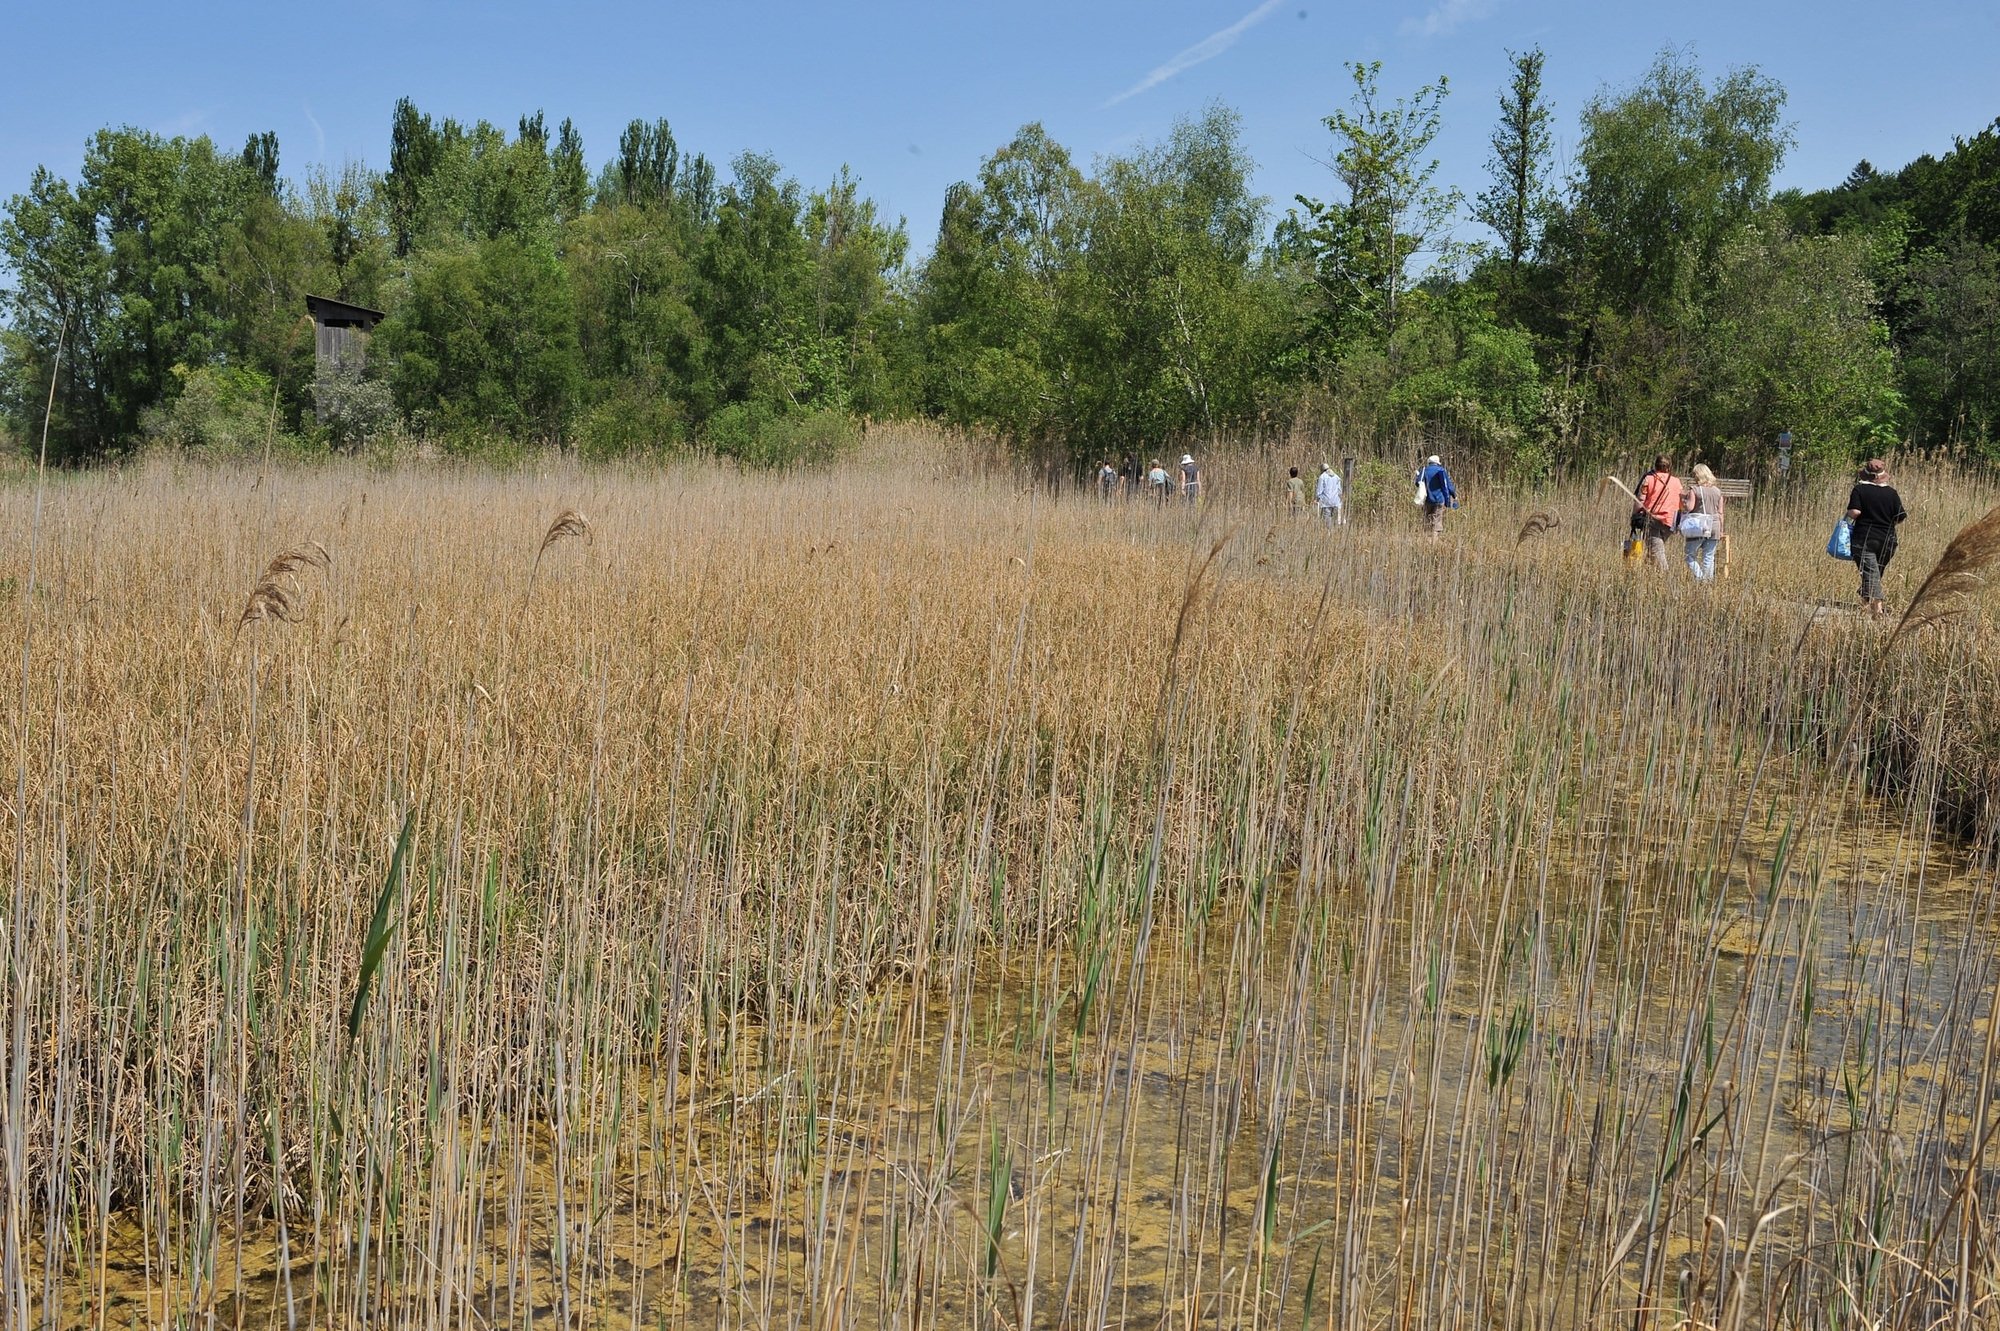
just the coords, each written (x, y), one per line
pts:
(1538, 522)
(1959, 574)
(275, 596)
(567, 524)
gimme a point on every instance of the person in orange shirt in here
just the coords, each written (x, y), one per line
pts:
(1660, 501)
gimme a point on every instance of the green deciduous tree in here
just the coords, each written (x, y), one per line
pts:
(61, 302)
(1790, 339)
(1666, 173)
(1078, 314)
(1950, 294)
(1364, 245)
(571, 174)
(1454, 371)
(485, 342)
(150, 262)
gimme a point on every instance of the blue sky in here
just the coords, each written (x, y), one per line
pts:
(913, 95)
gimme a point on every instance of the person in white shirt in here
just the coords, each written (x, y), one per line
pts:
(1327, 494)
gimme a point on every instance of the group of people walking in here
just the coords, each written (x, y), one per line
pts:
(1694, 512)
(1434, 494)
(1155, 481)
(1329, 495)
(1664, 507)
(1667, 508)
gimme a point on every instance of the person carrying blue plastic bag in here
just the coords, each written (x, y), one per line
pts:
(1439, 494)
(1876, 510)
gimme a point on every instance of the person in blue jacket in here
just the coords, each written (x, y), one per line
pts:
(1439, 494)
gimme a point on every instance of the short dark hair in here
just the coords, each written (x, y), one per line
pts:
(1295, 471)
(1663, 463)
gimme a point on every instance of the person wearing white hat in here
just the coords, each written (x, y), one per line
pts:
(1434, 485)
(1190, 479)
(1327, 493)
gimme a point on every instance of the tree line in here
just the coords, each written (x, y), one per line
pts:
(1658, 294)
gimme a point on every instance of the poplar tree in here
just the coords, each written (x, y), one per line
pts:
(1517, 200)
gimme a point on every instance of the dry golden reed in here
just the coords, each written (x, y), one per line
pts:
(897, 896)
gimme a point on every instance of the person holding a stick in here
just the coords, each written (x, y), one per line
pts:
(1659, 498)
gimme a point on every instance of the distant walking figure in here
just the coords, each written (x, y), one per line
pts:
(1295, 493)
(1107, 481)
(1875, 509)
(1160, 481)
(1660, 500)
(1439, 494)
(1327, 495)
(1703, 504)
(1190, 478)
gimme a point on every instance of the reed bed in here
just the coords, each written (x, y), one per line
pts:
(895, 897)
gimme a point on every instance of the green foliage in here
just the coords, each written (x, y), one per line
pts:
(1662, 301)
(348, 210)
(159, 257)
(484, 343)
(218, 410)
(1517, 201)
(1950, 296)
(1362, 247)
(1669, 174)
(1456, 373)
(631, 421)
(1377, 486)
(758, 435)
(60, 305)
(1933, 228)
(381, 926)
(1072, 313)
(1791, 341)
(1666, 173)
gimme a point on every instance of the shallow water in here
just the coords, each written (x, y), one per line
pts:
(1547, 1102)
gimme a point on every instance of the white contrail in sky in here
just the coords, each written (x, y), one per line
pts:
(1446, 17)
(314, 121)
(1207, 48)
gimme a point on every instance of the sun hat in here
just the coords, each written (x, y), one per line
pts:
(1434, 460)
(1186, 458)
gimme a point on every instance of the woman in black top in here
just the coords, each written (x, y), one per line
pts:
(1875, 508)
